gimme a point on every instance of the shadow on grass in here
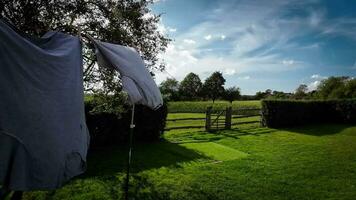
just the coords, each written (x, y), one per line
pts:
(238, 132)
(319, 129)
(203, 136)
(111, 160)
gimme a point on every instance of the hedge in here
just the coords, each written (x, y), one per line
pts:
(289, 113)
(110, 129)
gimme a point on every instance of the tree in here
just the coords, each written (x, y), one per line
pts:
(214, 86)
(280, 95)
(231, 94)
(301, 91)
(350, 88)
(333, 87)
(190, 87)
(169, 89)
(262, 95)
(125, 22)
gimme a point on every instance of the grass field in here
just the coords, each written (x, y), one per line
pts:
(200, 106)
(198, 119)
(249, 162)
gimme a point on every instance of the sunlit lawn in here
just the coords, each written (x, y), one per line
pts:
(250, 162)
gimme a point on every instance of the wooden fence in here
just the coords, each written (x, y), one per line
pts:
(219, 119)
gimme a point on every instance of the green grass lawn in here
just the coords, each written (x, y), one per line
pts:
(248, 162)
(200, 106)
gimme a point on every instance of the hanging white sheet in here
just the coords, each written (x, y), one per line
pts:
(43, 134)
(136, 79)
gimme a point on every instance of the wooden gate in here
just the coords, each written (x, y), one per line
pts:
(218, 120)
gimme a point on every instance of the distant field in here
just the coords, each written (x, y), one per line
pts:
(200, 106)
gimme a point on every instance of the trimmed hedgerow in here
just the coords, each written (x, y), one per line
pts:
(288, 113)
(109, 128)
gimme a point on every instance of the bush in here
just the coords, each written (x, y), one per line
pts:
(109, 128)
(286, 113)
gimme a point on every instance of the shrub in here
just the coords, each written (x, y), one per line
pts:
(109, 127)
(286, 113)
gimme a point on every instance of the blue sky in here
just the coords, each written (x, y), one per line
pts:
(259, 45)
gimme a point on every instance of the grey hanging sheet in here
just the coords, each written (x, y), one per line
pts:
(43, 134)
(136, 79)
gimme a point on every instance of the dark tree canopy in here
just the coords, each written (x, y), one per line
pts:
(190, 87)
(231, 94)
(333, 87)
(169, 89)
(350, 88)
(301, 91)
(125, 22)
(214, 86)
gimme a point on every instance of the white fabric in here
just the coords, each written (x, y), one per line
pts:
(136, 79)
(43, 134)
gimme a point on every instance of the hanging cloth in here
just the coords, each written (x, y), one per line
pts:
(43, 134)
(136, 79)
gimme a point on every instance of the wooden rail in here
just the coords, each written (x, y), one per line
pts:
(219, 119)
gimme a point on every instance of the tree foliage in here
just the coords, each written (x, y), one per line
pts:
(301, 91)
(190, 87)
(333, 88)
(170, 89)
(125, 22)
(262, 95)
(231, 94)
(350, 88)
(213, 87)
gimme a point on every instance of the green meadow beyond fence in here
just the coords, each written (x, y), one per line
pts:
(214, 119)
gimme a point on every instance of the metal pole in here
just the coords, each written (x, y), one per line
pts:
(132, 126)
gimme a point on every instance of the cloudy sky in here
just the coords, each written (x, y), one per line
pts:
(259, 45)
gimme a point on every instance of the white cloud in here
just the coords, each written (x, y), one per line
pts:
(316, 80)
(340, 27)
(259, 27)
(208, 37)
(172, 30)
(177, 61)
(313, 85)
(317, 76)
(316, 17)
(288, 62)
(229, 71)
(262, 40)
(310, 46)
(245, 77)
(148, 15)
(161, 28)
(189, 41)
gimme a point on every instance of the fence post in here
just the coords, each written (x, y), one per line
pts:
(228, 114)
(208, 119)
